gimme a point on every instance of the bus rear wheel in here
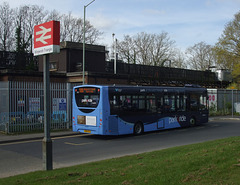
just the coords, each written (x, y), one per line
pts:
(138, 128)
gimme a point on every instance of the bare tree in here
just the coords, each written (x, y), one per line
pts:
(178, 60)
(6, 27)
(146, 49)
(72, 30)
(67, 27)
(92, 34)
(77, 35)
(24, 18)
(34, 15)
(143, 42)
(23, 37)
(161, 49)
(200, 56)
(53, 15)
(127, 50)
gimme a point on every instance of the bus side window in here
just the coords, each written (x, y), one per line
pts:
(203, 102)
(172, 102)
(194, 102)
(178, 103)
(151, 103)
(169, 103)
(160, 104)
(166, 104)
(114, 104)
(141, 103)
(135, 103)
(181, 103)
(126, 102)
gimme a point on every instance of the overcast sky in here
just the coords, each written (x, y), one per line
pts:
(187, 21)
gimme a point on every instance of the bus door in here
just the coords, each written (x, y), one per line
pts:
(121, 114)
(173, 109)
(160, 111)
(198, 107)
(181, 101)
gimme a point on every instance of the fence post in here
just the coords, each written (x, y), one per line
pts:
(8, 109)
(69, 104)
(232, 103)
(6, 128)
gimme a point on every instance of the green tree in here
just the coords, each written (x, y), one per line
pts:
(228, 47)
(236, 76)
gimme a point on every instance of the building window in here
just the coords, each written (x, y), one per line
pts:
(53, 66)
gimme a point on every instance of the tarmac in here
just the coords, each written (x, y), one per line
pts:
(13, 138)
(10, 138)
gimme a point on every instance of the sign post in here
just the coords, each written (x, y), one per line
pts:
(47, 40)
(47, 142)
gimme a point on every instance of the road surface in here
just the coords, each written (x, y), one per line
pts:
(26, 156)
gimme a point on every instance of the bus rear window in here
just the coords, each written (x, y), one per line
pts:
(87, 96)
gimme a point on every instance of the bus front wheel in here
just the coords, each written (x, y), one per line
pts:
(192, 121)
(138, 128)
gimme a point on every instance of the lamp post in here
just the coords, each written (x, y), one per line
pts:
(84, 17)
(115, 53)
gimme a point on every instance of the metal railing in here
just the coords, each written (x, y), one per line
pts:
(21, 107)
(224, 101)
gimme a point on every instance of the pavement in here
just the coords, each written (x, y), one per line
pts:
(212, 118)
(9, 138)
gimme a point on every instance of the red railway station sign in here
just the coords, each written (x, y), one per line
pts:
(47, 38)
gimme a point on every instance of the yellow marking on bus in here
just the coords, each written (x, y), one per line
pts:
(78, 144)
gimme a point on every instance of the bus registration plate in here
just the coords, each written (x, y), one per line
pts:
(87, 131)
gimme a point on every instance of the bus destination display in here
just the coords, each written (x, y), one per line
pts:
(88, 90)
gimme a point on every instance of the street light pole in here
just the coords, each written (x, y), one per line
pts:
(84, 18)
(115, 53)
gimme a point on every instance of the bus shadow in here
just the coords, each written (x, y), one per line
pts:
(126, 136)
(110, 137)
(115, 137)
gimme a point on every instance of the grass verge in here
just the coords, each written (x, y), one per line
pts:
(214, 162)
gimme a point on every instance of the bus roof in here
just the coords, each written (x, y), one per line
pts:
(142, 89)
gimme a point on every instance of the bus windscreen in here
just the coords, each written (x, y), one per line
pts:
(87, 97)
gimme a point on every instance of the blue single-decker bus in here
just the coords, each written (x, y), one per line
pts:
(117, 110)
